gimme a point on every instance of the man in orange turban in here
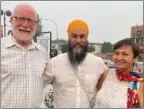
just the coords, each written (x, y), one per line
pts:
(78, 24)
(78, 45)
(75, 74)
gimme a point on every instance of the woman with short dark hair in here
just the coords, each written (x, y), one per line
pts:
(122, 87)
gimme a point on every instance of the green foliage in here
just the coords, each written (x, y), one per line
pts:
(64, 48)
(39, 29)
(91, 48)
(106, 47)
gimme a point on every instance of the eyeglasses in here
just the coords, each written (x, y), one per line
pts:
(22, 19)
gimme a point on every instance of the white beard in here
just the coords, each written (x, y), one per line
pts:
(23, 36)
(77, 51)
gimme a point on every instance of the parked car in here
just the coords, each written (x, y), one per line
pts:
(109, 63)
(111, 66)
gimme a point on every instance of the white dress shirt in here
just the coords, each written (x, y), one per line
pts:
(68, 91)
(21, 74)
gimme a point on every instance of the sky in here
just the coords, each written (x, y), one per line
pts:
(108, 21)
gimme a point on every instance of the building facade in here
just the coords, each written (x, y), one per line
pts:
(98, 47)
(137, 35)
(59, 42)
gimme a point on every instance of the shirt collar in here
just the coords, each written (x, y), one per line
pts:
(10, 41)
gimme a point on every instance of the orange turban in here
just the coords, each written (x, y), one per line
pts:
(77, 24)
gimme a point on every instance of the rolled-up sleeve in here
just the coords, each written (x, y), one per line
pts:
(48, 74)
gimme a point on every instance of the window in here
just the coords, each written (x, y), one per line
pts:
(134, 33)
(139, 32)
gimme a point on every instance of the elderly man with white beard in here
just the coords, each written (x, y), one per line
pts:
(75, 74)
(22, 61)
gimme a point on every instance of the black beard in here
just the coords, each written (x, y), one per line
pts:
(77, 56)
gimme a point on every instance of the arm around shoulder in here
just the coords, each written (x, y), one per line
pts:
(102, 78)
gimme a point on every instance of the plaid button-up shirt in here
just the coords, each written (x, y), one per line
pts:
(21, 74)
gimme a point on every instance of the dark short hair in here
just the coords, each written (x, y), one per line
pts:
(128, 42)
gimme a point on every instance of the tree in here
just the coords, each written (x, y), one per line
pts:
(106, 47)
(64, 48)
(39, 29)
(91, 48)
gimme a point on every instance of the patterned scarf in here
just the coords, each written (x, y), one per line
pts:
(132, 92)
